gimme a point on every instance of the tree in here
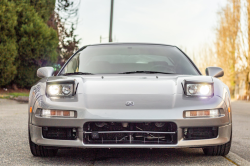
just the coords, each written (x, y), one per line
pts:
(44, 8)
(246, 54)
(227, 41)
(37, 45)
(65, 14)
(8, 46)
(206, 58)
(33, 35)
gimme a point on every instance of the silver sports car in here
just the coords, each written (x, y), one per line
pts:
(129, 95)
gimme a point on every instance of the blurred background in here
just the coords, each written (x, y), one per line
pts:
(37, 33)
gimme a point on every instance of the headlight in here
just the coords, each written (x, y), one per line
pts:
(198, 89)
(54, 89)
(204, 113)
(57, 113)
(66, 89)
(60, 89)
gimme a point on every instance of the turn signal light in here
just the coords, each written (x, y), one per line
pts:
(202, 113)
(57, 113)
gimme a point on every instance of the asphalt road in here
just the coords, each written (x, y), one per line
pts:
(14, 148)
(241, 129)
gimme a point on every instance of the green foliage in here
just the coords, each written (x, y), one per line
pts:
(37, 45)
(35, 39)
(8, 46)
(44, 8)
(29, 35)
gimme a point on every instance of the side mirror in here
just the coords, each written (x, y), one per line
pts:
(214, 71)
(45, 72)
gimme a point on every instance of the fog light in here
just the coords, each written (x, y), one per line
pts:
(57, 113)
(202, 113)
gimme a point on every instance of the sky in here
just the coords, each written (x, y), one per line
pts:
(185, 23)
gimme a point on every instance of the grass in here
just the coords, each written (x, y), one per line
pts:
(16, 94)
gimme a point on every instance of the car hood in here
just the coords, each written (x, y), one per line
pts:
(113, 91)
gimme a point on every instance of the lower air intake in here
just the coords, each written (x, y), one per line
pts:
(59, 133)
(200, 133)
(130, 133)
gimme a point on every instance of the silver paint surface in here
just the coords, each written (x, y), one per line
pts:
(156, 99)
(151, 97)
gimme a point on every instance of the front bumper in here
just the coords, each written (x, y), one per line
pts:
(223, 137)
(174, 113)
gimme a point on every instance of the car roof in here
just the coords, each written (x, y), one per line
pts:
(131, 43)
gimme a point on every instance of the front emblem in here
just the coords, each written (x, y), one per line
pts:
(129, 103)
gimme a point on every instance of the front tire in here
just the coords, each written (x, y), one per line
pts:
(219, 150)
(41, 151)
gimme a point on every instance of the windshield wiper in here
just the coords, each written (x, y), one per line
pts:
(78, 73)
(147, 72)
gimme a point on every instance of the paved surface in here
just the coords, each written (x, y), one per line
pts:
(14, 149)
(241, 129)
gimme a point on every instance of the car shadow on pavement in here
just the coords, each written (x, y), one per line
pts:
(129, 156)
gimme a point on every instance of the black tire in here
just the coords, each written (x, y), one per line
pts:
(41, 151)
(220, 150)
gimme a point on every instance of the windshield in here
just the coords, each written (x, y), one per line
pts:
(129, 58)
